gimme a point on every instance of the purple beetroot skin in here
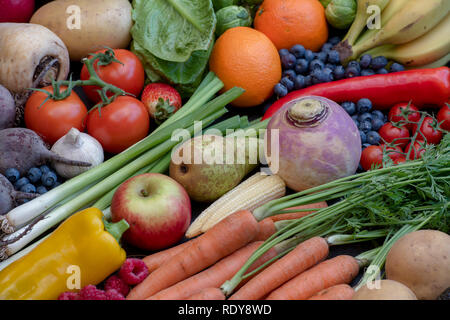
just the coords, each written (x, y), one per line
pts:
(318, 143)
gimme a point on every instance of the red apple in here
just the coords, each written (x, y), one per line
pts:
(156, 207)
(16, 10)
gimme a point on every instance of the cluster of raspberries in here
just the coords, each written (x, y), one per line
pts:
(132, 272)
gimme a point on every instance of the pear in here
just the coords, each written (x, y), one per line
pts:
(208, 166)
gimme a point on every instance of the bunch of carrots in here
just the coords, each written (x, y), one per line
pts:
(293, 269)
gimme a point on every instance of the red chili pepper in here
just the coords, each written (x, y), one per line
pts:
(424, 87)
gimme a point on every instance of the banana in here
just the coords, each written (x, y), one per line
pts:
(424, 50)
(416, 18)
(435, 64)
(360, 21)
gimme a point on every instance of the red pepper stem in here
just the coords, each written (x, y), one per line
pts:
(116, 229)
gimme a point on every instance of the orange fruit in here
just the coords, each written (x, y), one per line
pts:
(244, 57)
(290, 22)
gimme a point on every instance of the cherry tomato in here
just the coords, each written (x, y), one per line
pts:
(427, 131)
(399, 136)
(443, 117)
(417, 150)
(372, 156)
(395, 153)
(395, 114)
(119, 124)
(129, 76)
(54, 118)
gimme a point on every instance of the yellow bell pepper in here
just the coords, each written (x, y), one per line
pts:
(80, 243)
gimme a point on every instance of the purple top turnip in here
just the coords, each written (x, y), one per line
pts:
(9, 196)
(23, 149)
(7, 109)
(318, 143)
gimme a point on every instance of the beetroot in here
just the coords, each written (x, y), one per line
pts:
(7, 109)
(317, 142)
(23, 149)
(9, 196)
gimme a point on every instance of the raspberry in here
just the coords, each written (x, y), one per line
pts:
(116, 283)
(68, 296)
(113, 294)
(133, 271)
(91, 292)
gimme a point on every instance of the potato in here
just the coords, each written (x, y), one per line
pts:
(102, 23)
(421, 261)
(388, 290)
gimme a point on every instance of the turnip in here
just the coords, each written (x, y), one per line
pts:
(23, 149)
(317, 142)
(7, 109)
(9, 196)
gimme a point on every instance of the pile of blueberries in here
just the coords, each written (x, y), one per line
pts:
(367, 120)
(36, 180)
(303, 68)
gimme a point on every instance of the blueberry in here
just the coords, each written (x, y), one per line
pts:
(352, 72)
(49, 179)
(309, 55)
(363, 136)
(322, 56)
(355, 119)
(334, 41)
(328, 74)
(330, 66)
(365, 61)
(333, 57)
(365, 126)
(377, 123)
(44, 169)
(367, 72)
(298, 51)
(316, 64)
(287, 83)
(57, 183)
(326, 47)
(373, 137)
(364, 105)
(382, 71)
(396, 67)
(301, 67)
(34, 175)
(28, 188)
(378, 114)
(288, 61)
(365, 116)
(41, 190)
(339, 73)
(12, 174)
(280, 90)
(283, 52)
(299, 82)
(349, 107)
(21, 182)
(355, 64)
(290, 74)
(365, 145)
(379, 62)
(308, 81)
(318, 76)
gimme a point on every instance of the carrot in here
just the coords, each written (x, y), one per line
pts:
(266, 229)
(338, 292)
(341, 269)
(155, 260)
(300, 214)
(304, 256)
(227, 236)
(208, 294)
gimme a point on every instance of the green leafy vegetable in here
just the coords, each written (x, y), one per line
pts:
(230, 17)
(173, 29)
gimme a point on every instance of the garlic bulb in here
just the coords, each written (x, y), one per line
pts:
(76, 145)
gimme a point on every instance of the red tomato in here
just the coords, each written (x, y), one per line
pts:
(54, 118)
(393, 153)
(443, 117)
(399, 160)
(417, 151)
(120, 124)
(399, 136)
(395, 114)
(372, 156)
(129, 76)
(427, 131)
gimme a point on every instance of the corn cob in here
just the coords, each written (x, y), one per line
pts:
(248, 198)
(196, 227)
